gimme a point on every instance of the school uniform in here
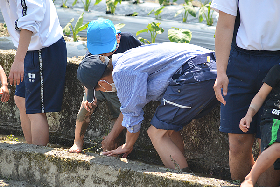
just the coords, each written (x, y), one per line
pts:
(255, 50)
(46, 58)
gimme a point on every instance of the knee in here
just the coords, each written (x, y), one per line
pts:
(240, 147)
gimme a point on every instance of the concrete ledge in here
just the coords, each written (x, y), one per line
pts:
(45, 166)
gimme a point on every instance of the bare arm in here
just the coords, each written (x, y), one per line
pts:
(17, 69)
(109, 141)
(223, 38)
(125, 148)
(4, 88)
(255, 105)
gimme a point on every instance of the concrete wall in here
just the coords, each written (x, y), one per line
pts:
(45, 166)
(205, 147)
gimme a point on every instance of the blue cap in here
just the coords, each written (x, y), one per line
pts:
(90, 71)
(101, 36)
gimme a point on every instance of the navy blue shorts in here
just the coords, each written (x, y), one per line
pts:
(190, 95)
(43, 83)
(246, 71)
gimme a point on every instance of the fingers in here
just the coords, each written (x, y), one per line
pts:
(219, 86)
(15, 78)
(5, 97)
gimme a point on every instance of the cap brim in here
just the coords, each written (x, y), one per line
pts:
(90, 95)
(100, 49)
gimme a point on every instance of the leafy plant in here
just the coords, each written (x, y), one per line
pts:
(206, 12)
(64, 4)
(154, 29)
(165, 2)
(179, 35)
(78, 27)
(188, 9)
(111, 5)
(119, 26)
(86, 3)
(157, 12)
(12, 138)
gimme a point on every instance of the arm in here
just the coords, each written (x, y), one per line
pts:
(4, 89)
(17, 69)
(223, 38)
(109, 141)
(87, 105)
(254, 107)
(125, 148)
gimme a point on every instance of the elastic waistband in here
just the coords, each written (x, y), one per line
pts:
(255, 52)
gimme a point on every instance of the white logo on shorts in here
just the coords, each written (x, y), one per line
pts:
(31, 77)
(276, 112)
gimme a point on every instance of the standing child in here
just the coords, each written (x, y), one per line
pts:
(4, 88)
(270, 124)
(39, 65)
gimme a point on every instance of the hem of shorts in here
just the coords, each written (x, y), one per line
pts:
(224, 130)
(40, 111)
(23, 95)
(163, 125)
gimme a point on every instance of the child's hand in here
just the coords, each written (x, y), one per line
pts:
(5, 93)
(244, 124)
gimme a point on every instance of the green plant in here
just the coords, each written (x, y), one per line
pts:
(86, 3)
(157, 12)
(188, 9)
(78, 27)
(154, 29)
(165, 2)
(12, 138)
(119, 26)
(179, 35)
(64, 3)
(111, 5)
(206, 12)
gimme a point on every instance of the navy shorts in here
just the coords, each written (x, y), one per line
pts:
(43, 83)
(246, 71)
(112, 100)
(190, 95)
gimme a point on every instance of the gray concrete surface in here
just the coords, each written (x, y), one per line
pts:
(30, 165)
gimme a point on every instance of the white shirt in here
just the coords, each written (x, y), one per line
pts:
(259, 22)
(41, 18)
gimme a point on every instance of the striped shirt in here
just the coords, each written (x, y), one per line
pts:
(141, 75)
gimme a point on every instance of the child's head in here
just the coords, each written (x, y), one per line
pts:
(91, 70)
(101, 37)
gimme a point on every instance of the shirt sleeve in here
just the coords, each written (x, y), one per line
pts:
(272, 78)
(131, 89)
(226, 6)
(30, 15)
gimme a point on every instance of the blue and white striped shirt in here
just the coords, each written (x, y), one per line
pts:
(142, 74)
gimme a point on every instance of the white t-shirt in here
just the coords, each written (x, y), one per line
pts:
(40, 17)
(259, 22)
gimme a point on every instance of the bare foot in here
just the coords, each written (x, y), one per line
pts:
(247, 183)
(76, 148)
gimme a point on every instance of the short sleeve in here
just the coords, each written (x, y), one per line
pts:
(272, 78)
